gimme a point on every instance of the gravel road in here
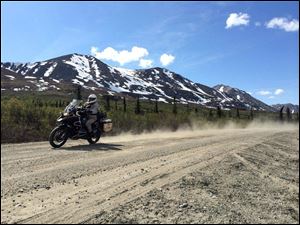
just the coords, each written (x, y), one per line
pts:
(205, 176)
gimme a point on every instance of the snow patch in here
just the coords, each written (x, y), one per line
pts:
(30, 66)
(156, 71)
(201, 91)
(36, 69)
(43, 82)
(168, 73)
(50, 70)
(43, 63)
(96, 68)
(81, 65)
(10, 77)
(162, 100)
(124, 71)
(75, 81)
(183, 87)
(30, 77)
(111, 69)
(57, 81)
(117, 89)
(43, 88)
(21, 89)
(111, 93)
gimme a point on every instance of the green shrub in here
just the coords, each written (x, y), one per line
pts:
(31, 117)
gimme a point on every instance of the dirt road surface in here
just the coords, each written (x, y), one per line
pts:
(213, 176)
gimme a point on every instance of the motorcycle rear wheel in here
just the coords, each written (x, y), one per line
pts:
(95, 138)
(58, 137)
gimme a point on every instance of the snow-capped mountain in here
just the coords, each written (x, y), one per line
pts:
(293, 108)
(243, 99)
(91, 73)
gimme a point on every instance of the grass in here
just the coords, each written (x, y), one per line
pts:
(29, 116)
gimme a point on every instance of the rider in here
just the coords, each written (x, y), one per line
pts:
(92, 109)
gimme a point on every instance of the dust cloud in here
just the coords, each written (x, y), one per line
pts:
(202, 130)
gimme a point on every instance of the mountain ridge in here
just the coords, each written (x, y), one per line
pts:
(152, 83)
(293, 107)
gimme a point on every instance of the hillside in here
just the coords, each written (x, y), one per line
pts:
(59, 74)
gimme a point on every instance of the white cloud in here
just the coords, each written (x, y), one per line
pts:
(250, 93)
(145, 63)
(264, 93)
(284, 24)
(122, 57)
(237, 19)
(278, 91)
(166, 59)
(271, 97)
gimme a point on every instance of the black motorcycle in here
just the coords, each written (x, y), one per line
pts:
(70, 124)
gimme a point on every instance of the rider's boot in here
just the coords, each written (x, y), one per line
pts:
(90, 134)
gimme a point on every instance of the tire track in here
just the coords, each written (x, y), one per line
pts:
(127, 175)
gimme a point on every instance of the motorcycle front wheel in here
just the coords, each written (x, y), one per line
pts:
(58, 137)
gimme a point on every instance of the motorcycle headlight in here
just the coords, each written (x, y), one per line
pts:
(65, 114)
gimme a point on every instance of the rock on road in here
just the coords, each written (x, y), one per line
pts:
(205, 176)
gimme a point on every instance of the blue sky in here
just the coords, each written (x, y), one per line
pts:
(249, 45)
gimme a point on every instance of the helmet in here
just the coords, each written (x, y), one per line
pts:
(92, 98)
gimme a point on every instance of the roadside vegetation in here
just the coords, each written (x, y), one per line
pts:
(29, 116)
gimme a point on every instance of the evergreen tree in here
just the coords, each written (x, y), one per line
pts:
(124, 104)
(174, 106)
(107, 103)
(219, 112)
(138, 107)
(116, 104)
(156, 106)
(210, 114)
(288, 114)
(281, 113)
(251, 114)
(237, 113)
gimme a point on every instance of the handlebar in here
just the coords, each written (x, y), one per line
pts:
(80, 110)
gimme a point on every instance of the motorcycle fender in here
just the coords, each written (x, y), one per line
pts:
(65, 126)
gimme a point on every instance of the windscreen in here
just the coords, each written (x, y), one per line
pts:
(75, 103)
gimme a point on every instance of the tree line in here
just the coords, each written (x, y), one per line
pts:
(32, 117)
(235, 112)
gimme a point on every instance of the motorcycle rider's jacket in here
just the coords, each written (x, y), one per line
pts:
(92, 109)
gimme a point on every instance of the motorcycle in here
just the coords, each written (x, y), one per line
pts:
(71, 122)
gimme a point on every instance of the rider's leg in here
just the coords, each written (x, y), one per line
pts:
(91, 120)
